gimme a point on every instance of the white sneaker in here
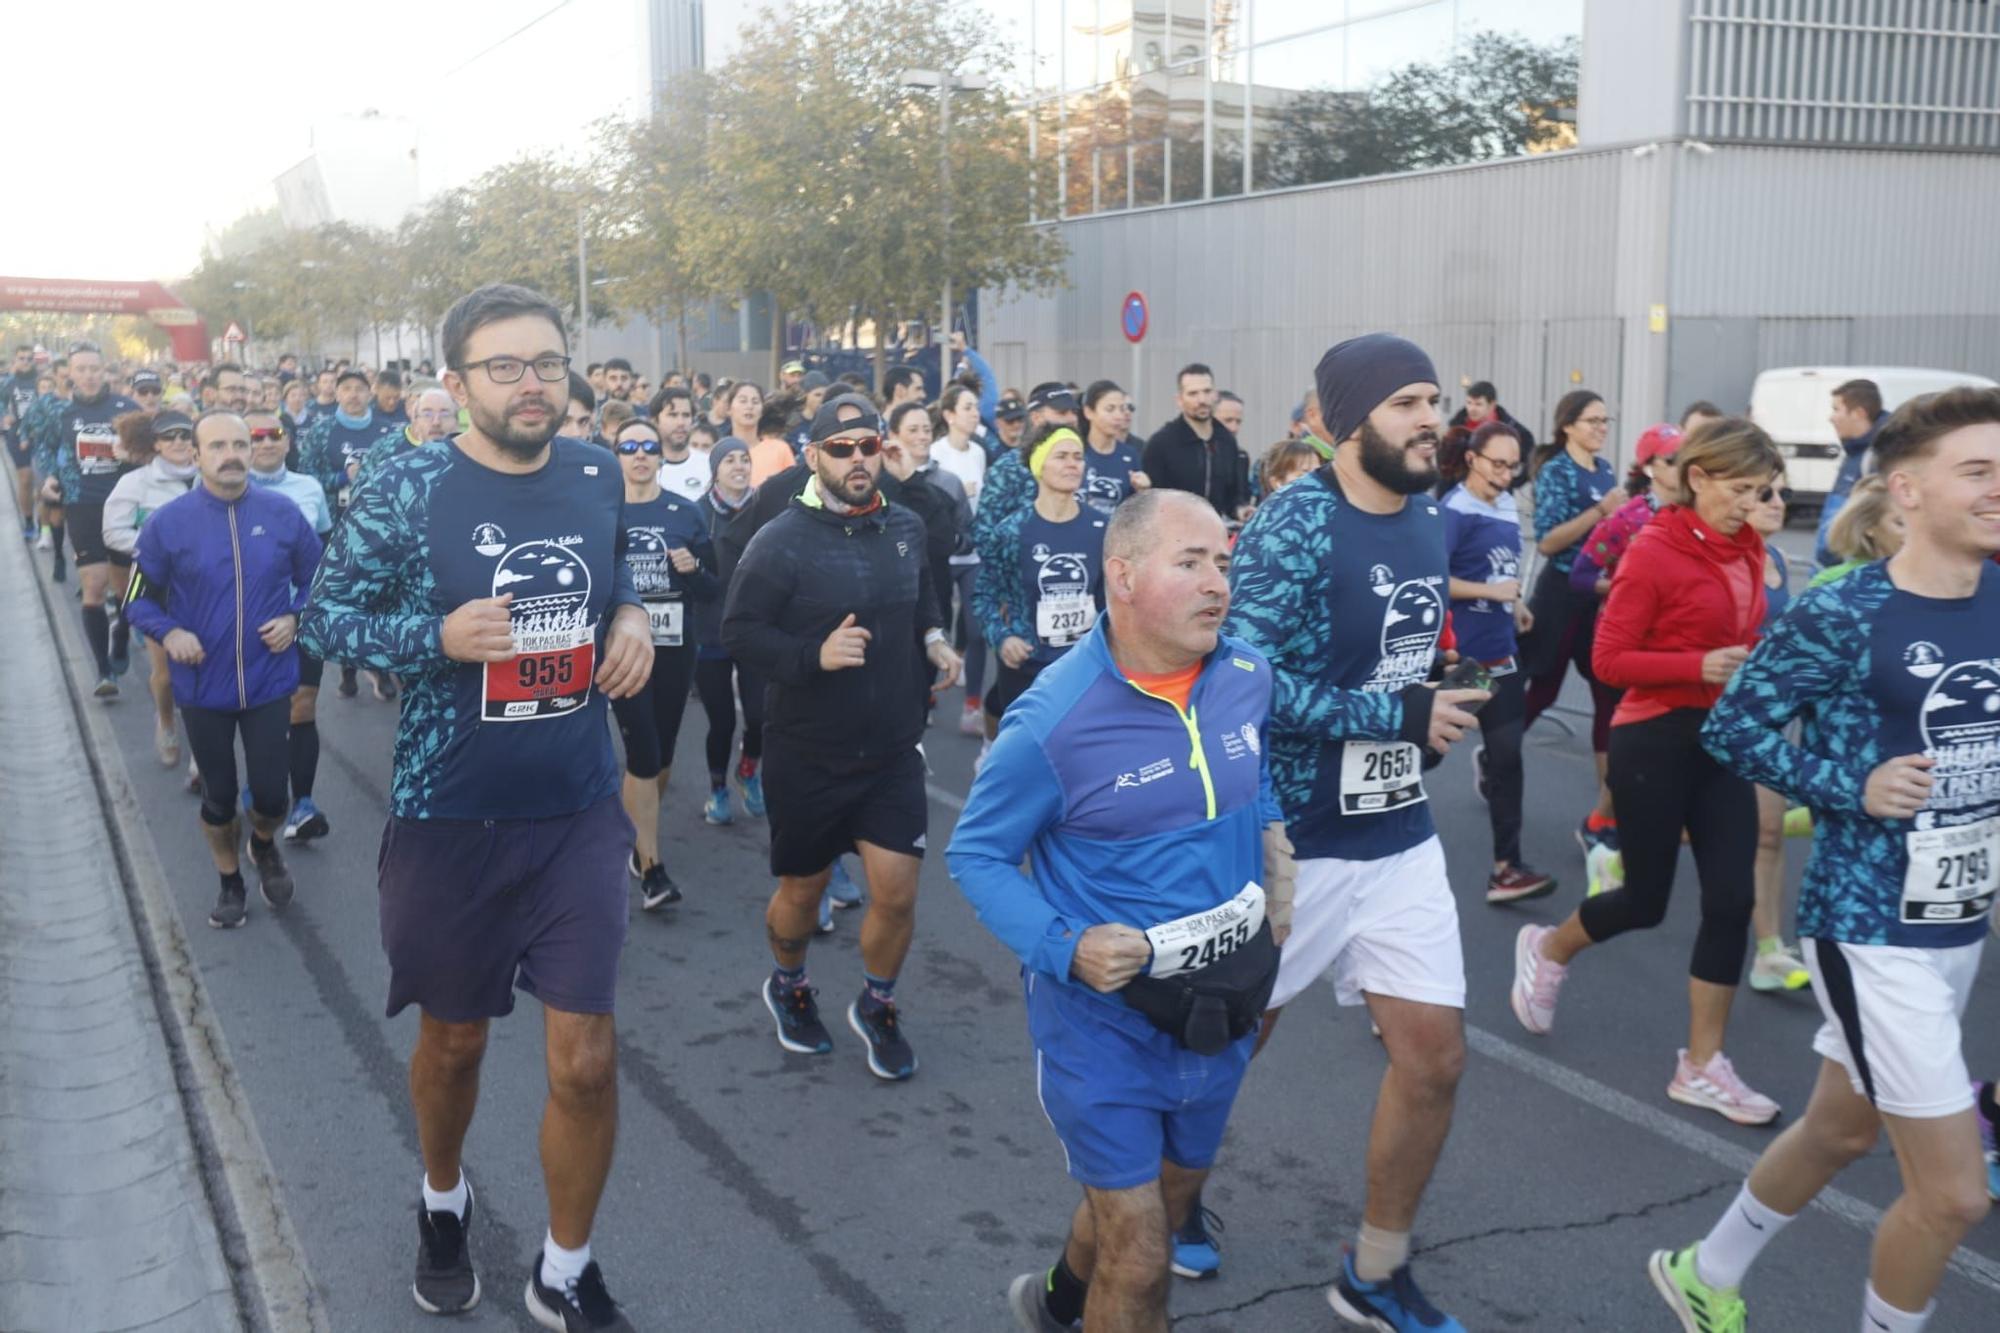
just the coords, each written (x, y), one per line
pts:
(44, 543)
(1603, 870)
(1779, 970)
(1716, 1087)
(972, 721)
(194, 777)
(167, 745)
(1536, 981)
(985, 748)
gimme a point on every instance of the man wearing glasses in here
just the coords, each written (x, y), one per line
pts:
(434, 416)
(488, 573)
(148, 391)
(833, 605)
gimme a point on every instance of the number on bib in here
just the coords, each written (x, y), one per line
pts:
(1060, 621)
(1376, 776)
(666, 618)
(1953, 873)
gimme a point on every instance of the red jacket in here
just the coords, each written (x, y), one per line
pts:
(1670, 605)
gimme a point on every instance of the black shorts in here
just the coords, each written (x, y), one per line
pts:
(312, 670)
(1009, 684)
(472, 910)
(86, 533)
(19, 450)
(818, 814)
(650, 721)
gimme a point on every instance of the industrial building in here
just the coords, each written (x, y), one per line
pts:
(1754, 184)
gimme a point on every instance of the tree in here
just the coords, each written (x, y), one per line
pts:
(1497, 95)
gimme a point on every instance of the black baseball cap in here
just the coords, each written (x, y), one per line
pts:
(145, 379)
(167, 421)
(350, 374)
(1009, 408)
(846, 412)
(1054, 394)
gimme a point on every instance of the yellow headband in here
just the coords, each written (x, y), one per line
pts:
(1040, 453)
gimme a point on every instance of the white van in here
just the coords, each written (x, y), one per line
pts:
(1794, 406)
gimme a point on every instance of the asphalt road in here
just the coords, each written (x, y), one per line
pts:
(757, 1189)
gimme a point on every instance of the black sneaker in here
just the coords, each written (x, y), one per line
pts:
(657, 888)
(56, 571)
(384, 685)
(348, 686)
(445, 1281)
(797, 1015)
(587, 1305)
(889, 1053)
(230, 911)
(1480, 782)
(273, 880)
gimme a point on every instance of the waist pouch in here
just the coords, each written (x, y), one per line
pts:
(1209, 1007)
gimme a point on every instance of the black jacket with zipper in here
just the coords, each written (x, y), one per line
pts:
(1181, 460)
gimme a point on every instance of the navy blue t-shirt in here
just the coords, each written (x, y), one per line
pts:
(652, 529)
(1062, 568)
(87, 431)
(1484, 542)
(1107, 478)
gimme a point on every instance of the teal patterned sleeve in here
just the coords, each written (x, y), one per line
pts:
(999, 602)
(317, 459)
(1008, 489)
(373, 599)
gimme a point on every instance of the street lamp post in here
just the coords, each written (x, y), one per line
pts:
(946, 83)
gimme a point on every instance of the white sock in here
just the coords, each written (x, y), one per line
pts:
(452, 1200)
(1740, 1235)
(1878, 1316)
(561, 1268)
(1378, 1253)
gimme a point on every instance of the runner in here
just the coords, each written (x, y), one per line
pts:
(618, 380)
(580, 416)
(1229, 412)
(38, 423)
(1886, 670)
(1857, 418)
(1140, 890)
(17, 393)
(326, 401)
(1043, 587)
(1575, 488)
(1482, 528)
(489, 571)
(149, 391)
(1340, 581)
(164, 468)
(673, 569)
(1194, 452)
(389, 398)
(330, 453)
(1683, 613)
(1870, 528)
(960, 455)
(1284, 463)
(684, 474)
(1777, 966)
(770, 450)
(221, 575)
(434, 417)
(829, 604)
(86, 468)
(270, 444)
(719, 679)
(1111, 470)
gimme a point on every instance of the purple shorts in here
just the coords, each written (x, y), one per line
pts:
(470, 910)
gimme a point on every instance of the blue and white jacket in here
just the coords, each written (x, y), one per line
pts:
(1130, 811)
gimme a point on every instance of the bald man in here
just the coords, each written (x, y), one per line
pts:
(433, 417)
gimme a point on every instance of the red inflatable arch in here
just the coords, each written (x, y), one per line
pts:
(84, 297)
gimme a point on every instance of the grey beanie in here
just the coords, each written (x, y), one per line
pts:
(724, 447)
(1357, 376)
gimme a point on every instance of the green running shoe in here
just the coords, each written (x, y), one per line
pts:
(1700, 1307)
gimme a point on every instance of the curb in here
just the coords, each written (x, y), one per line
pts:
(274, 1285)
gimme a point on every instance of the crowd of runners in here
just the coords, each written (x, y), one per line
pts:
(1207, 683)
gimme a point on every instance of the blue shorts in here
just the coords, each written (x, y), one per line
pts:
(1122, 1095)
(471, 910)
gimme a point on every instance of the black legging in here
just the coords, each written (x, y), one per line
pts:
(212, 741)
(1661, 782)
(650, 721)
(712, 681)
(1501, 726)
(1564, 633)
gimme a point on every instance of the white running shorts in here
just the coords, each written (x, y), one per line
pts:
(1892, 1021)
(1387, 926)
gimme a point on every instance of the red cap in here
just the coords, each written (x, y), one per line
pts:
(1658, 441)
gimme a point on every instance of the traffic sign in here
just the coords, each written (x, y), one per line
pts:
(234, 333)
(1132, 317)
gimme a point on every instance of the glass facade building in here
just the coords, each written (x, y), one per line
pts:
(1139, 103)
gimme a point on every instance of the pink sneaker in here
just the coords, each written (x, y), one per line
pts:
(1536, 981)
(1717, 1087)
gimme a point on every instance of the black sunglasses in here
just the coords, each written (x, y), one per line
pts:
(1770, 493)
(631, 447)
(186, 435)
(869, 445)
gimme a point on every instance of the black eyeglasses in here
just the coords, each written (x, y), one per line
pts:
(146, 388)
(509, 369)
(1770, 493)
(1500, 463)
(869, 445)
(631, 447)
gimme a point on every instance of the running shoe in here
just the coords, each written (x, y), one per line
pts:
(583, 1306)
(230, 909)
(752, 789)
(632, 866)
(842, 888)
(1026, 1297)
(1717, 1087)
(1603, 871)
(1390, 1306)
(1798, 822)
(167, 745)
(107, 688)
(825, 923)
(716, 810)
(979, 762)
(193, 777)
(972, 721)
(1197, 1253)
(1536, 981)
(273, 880)
(1988, 1133)
(57, 571)
(1779, 970)
(121, 653)
(889, 1053)
(1479, 778)
(1518, 881)
(47, 539)
(349, 686)
(657, 888)
(445, 1282)
(305, 822)
(1700, 1307)
(796, 1012)
(383, 684)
